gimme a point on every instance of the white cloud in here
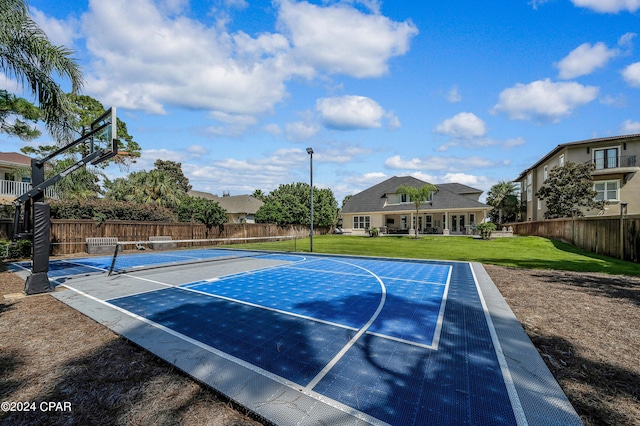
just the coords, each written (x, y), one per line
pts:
(544, 100)
(454, 164)
(243, 176)
(512, 143)
(462, 125)
(350, 112)
(537, 3)
(197, 150)
(300, 131)
(60, 32)
(454, 95)
(584, 59)
(343, 40)
(273, 129)
(609, 6)
(631, 74)
(160, 58)
(630, 127)
(153, 60)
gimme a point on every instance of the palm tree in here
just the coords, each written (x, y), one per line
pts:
(502, 195)
(417, 196)
(27, 54)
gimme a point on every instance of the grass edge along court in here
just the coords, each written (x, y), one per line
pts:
(82, 299)
(528, 252)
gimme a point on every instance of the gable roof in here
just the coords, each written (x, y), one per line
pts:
(459, 188)
(15, 158)
(562, 146)
(449, 196)
(233, 204)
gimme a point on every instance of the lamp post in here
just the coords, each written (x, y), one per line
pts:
(310, 152)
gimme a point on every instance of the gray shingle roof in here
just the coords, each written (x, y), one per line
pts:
(232, 204)
(561, 146)
(449, 196)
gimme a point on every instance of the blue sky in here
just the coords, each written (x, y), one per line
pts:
(469, 92)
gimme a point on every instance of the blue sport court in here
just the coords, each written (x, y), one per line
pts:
(302, 339)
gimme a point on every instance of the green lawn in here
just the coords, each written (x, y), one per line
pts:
(518, 252)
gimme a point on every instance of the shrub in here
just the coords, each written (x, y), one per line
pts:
(19, 251)
(101, 210)
(486, 229)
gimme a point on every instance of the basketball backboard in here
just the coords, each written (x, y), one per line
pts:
(104, 136)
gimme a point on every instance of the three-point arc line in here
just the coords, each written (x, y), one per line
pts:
(355, 338)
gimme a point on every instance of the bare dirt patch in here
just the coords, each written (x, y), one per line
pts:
(52, 353)
(587, 329)
(585, 326)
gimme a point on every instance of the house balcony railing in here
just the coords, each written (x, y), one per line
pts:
(14, 189)
(614, 162)
(622, 164)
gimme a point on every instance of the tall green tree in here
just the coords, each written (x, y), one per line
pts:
(290, 204)
(259, 194)
(18, 116)
(504, 199)
(154, 187)
(197, 209)
(82, 184)
(86, 110)
(174, 170)
(568, 189)
(418, 196)
(27, 54)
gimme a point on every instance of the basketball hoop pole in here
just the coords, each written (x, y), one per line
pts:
(36, 223)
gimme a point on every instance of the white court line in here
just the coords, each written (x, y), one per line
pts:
(518, 411)
(355, 338)
(443, 301)
(251, 367)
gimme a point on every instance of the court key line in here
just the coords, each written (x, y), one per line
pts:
(357, 336)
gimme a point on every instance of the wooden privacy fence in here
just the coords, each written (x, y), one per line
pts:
(69, 236)
(596, 234)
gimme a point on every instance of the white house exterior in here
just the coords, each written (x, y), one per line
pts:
(454, 209)
(15, 177)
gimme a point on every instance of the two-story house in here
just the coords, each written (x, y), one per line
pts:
(615, 174)
(454, 209)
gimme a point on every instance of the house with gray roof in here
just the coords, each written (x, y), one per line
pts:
(453, 209)
(240, 208)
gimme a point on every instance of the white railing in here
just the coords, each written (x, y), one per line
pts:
(15, 189)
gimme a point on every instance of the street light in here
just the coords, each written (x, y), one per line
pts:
(310, 152)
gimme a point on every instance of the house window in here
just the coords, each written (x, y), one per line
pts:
(529, 193)
(606, 190)
(429, 221)
(546, 172)
(529, 179)
(561, 162)
(404, 198)
(472, 219)
(606, 158)
(361, 222)
(539, 204)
